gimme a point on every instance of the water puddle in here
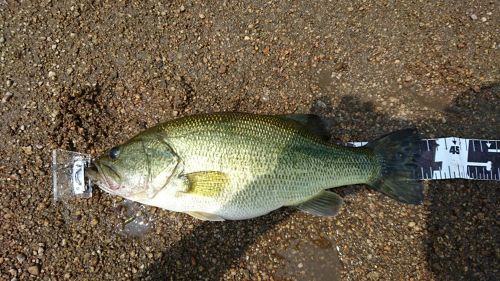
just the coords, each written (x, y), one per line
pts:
(311, 259)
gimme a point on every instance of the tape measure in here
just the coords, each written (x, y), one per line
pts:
(457, 158)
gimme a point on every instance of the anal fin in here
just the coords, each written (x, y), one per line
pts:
(326, 203)
(205, 216)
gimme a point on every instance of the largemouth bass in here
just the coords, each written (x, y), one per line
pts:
(233, 166)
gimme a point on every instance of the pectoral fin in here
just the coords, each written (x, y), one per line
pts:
(205, 216)
(207, 183)
(326, 203)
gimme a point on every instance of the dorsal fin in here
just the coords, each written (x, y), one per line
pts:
(310, 122)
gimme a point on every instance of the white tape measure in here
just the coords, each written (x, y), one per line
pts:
(453, 158)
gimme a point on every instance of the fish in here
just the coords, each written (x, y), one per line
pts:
(235, 166)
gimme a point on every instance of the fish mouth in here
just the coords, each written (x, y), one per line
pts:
(103, 175)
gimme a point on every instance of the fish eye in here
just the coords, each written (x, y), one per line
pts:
(114, 153)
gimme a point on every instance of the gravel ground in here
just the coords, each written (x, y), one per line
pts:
(85, 75)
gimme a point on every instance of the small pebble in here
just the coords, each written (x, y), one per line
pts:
(2, 39)
(34, 269)
(321, 104)
(374, 275)
(182, 9)
(27, 149)
(13, 272)
(484, 19)
(300, 265)
(21, 258)
(222, 69)
(6, 97)
(202, 16)
(473, 17)
(52, 75)
(411, 224)
(8, 83)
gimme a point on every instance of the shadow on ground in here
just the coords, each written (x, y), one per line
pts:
(201, 254)
(463, 222)
(462, 226)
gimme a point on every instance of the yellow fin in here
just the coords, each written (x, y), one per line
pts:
(207, 183)
(205, 216)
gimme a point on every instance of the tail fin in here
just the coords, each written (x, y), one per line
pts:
(397, 154)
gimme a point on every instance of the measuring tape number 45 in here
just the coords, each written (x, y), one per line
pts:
(452, 158)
